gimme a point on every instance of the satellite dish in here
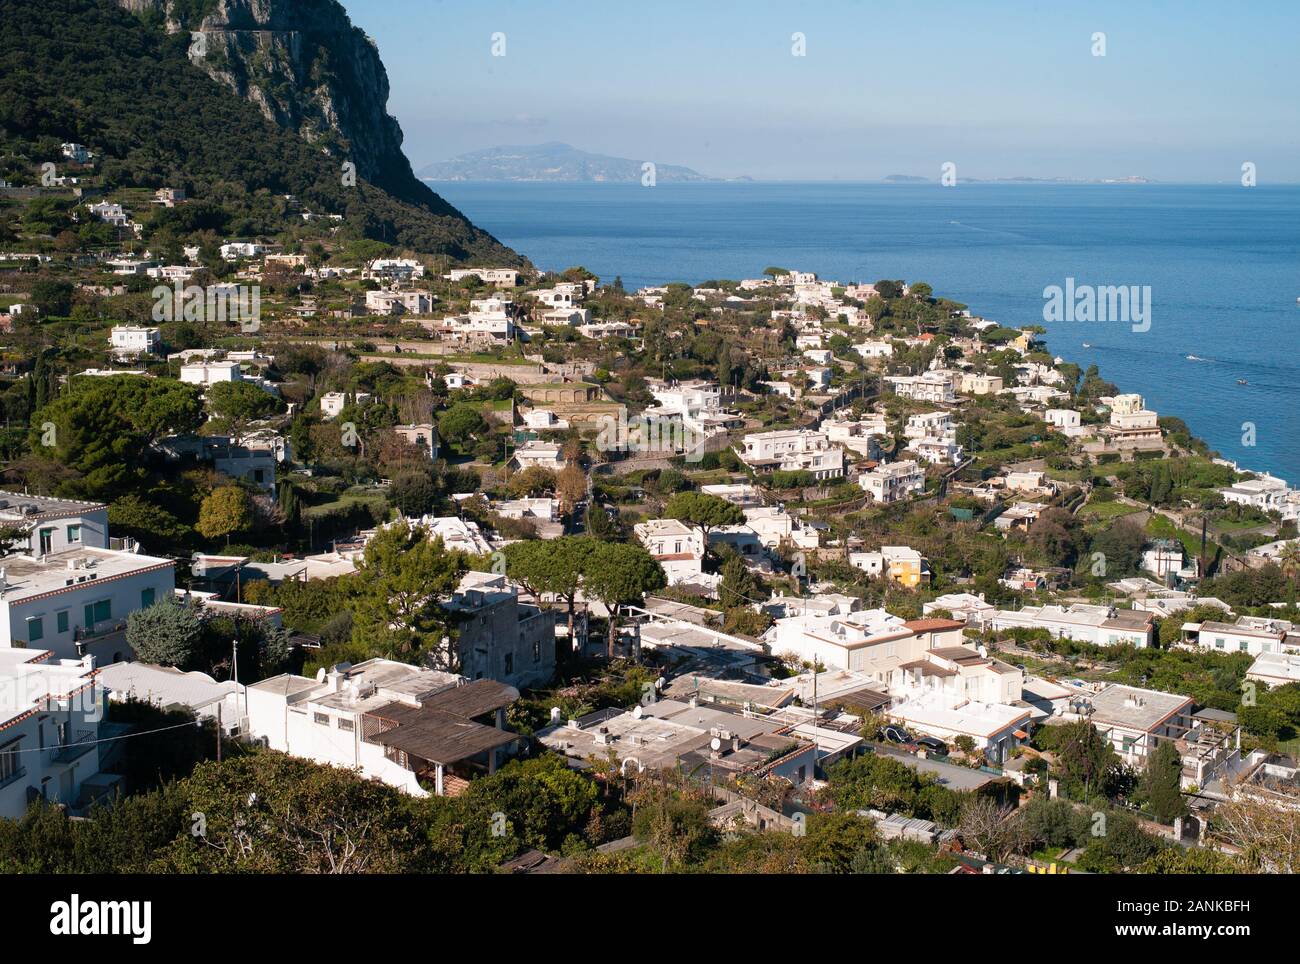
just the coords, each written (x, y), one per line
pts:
(715, 744)
(660, 683)
(637, 712)
(320, 675)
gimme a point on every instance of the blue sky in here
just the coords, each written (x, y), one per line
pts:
(1187, 91)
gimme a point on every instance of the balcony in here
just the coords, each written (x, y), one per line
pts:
(74, 749)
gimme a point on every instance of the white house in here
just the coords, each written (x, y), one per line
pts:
(677, 547)
(208, 373)
(50, 712)
(76, 601)
(1249, 634)
(389, 721)
(53, 525)
(389, 302)
(1265, 493)
(1064, 420)
(793, 450)
(1099, 625)
(130, 340)
(935, 386)
(893, 482)
(547, 455)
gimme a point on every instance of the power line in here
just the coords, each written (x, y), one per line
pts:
(107, 739)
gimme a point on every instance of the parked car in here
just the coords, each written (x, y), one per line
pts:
(932, 744)
(896, 734)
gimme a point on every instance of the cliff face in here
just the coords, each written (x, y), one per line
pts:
(309, 70)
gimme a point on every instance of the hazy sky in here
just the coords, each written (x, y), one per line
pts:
(1186, 91)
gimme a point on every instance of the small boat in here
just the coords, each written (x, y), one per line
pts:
(1087, 345)
(1242, 381)
(1195, 358)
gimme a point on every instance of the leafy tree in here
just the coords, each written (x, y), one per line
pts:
(532, 482)
(102, 427)
(402, 578)
(166, 633)
(543, 799)
(237, 404)
(705, 512)
(414, 493)
(225, 511)
(602, 524)
(738, 587)
(1085, 759)
(551, 568)
(620, 574)
(461, 424)
(1160, 785)
(269, 812)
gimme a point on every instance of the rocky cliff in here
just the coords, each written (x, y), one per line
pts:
(308, 70)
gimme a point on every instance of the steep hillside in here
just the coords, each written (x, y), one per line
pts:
(266, 114)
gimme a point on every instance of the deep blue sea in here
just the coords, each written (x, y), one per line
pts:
(1222, 261)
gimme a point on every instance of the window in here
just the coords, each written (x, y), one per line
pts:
(98, 612)
(537, 651)
(47, 540)
(74, 533)
(9, 758)
(146, 597)
(346, 725)
(510, 662)
(35, 629)
(321, 718)
(1243, 646)
(61, 620)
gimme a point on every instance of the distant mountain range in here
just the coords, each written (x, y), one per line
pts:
(552, 161)
(917, 179)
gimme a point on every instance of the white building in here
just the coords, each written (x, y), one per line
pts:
(965, 607)
(333, 403)
(697, 405)
(937, 386)
(167, 688)
(677, 547)
(209, 373)
(893, 482)
(387, 721)
(792, 450)
(53, 525)
(501, 277)
(50, 711)
(1099, 625)
(130, 340)
(929, 425)
(389, 302)
(76, 601)
(546, 455)
(389, 270)
(1249, 634)
(1266, 493)
(1065, 420)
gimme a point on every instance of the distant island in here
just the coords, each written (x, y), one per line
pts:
(917, 179)
(551, 162)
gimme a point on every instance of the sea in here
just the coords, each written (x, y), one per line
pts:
(1221, 261)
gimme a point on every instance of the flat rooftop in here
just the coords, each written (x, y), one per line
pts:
(15, 507)
(1133, 708)
(27, 576)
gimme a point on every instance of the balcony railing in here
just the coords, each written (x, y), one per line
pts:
(74, 749)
